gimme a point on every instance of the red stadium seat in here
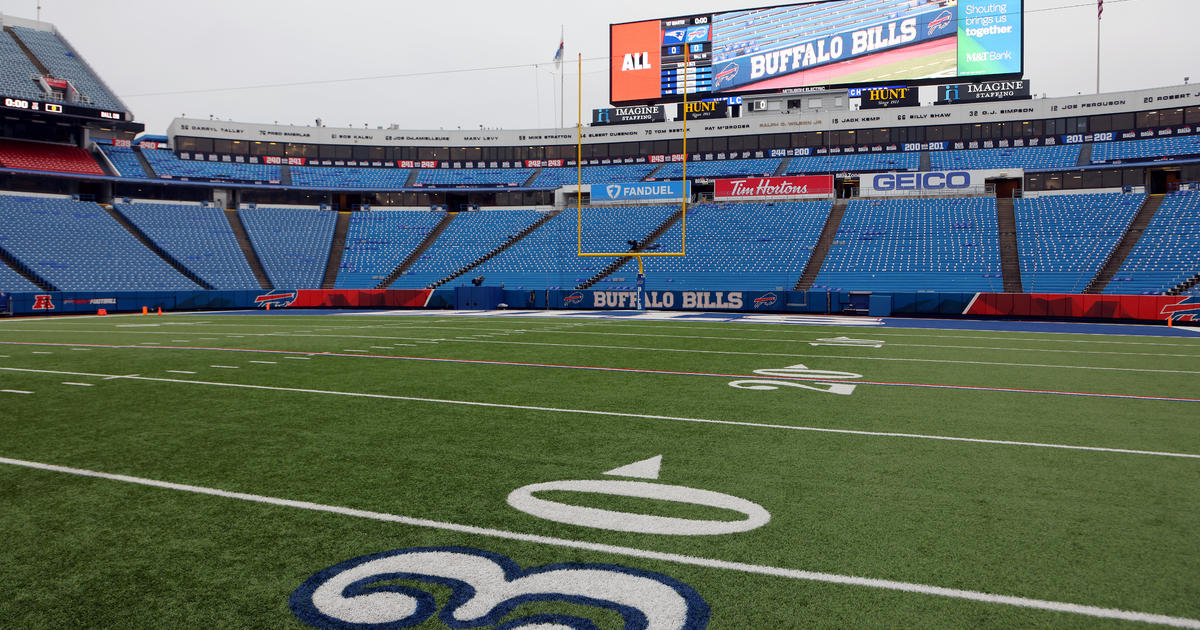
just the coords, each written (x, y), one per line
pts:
(38, 156)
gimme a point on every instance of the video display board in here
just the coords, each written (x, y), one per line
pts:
(825, 43)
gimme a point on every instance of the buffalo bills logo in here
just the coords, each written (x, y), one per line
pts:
(574, 299)
(940, 22)
(275, 299)
(1185, 310)
(726, 75)
(765, 301)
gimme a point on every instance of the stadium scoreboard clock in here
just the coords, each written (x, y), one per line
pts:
(811, 45)
(62, 109)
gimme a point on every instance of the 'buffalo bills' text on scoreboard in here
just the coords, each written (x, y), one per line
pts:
(830, 43)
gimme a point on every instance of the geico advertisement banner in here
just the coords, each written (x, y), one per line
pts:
(931, 183)
(640, 191)
(675, 300)
(752, 188)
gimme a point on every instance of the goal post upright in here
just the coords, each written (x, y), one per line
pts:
(683, 205)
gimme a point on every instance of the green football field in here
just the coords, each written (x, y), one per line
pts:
(275, 471)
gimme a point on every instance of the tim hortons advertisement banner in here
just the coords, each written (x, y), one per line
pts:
(759, 188)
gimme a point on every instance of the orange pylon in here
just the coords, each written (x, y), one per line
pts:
(145, 310)
(160, 310)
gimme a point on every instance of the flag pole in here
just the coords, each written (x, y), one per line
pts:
(561, 99)
(1099, 15)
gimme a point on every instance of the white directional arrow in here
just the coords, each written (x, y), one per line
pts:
(645, 469)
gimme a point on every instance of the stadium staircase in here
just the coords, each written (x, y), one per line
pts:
(1010, 259)
(828, 234)
(25, 272)
(1132, 235)
(420, 249)
(1085, 155)
(783, 167)
(145, 163)
(152, 246)
(640, 247)
(336, 249)
(653, 174)
(532, 178)
(925, 163)
(37, 63)
(1184, 286)
(239, 231)
(285, 177)
(503, 246)
(412, 178)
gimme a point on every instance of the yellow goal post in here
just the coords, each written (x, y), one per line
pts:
(683, 204)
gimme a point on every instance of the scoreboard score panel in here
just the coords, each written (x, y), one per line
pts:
(815, 44)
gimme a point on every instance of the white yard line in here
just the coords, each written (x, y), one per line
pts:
(77, 384)
(787, 355)
(618, 414)
(741, 567)
(15, 391)
(179, 372)
(265, 362)
(224, 367)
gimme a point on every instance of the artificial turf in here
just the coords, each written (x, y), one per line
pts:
(339, 411)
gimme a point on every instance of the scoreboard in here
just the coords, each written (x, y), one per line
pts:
(815, 44)
(686, 42)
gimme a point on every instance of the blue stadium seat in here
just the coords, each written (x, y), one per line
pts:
(621, 173)
(12, 282)
(720, 168)
(348, 177)
(547, 258)
(378, 241)
(292, 243)
(855, 163)
(1029, 158)
(915, 245)
(199, 238)
(469, 236)
(752, 246)
(1063, 240)
(473, 176)
(166, 164)
(1168, 251)
(1146, 149)
(124, 160)
(77, 246)
(63, 63)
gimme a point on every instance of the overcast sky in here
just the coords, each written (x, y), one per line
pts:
(167, 58)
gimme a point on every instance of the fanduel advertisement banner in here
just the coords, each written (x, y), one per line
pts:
(628, 115)
(987, 91)
(758, 188)
(932, 183)
(640, 191)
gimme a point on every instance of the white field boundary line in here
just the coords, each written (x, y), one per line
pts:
(592, 368)
(618, 414)
(740, 339)
(618, 323)
(655, 349)
(741, 567)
